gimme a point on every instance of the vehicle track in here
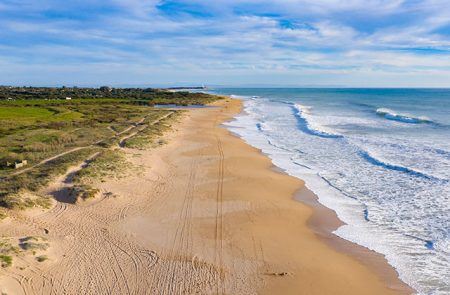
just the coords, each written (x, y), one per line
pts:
(98, 257)
(219, 219)
(181, 243)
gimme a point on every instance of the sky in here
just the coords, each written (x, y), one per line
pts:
(348, 43)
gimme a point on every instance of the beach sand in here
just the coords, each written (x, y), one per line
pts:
(205, 214)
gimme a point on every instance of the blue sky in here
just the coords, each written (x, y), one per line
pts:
(358, 43)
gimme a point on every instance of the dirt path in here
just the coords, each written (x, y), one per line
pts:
(122, 141)
(50, 159)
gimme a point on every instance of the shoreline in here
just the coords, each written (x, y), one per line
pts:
(324, 221)
(205, 213)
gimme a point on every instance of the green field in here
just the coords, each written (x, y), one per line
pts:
(20, 113)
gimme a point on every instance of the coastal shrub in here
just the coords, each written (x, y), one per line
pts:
(33, 243)
(83, 192)
(151, 135)
(18, 192)
(23, 199)
(109, 163)
(137, 142)
(6, 260)
(42, 258)
(3, 214)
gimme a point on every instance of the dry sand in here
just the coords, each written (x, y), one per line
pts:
(206, 214)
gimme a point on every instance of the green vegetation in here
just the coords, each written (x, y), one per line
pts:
(150, 96)
(3, 214)
(6, 260)
(36, 138)
(18, 191)
(6, 249)
(109, 163)
(151, 134)
(22, 200)
(42, 258)
(83, 192)
(33, 243)
(42, 134)
(26, 245)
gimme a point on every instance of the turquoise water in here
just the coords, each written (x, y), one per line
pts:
(379, 157)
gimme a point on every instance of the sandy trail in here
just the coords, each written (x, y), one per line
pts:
(123, 140)
(204, 215)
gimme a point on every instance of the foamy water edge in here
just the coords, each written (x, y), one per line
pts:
(354, 230)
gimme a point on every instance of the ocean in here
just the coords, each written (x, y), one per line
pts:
(380, 158)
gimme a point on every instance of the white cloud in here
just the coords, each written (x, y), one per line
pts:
(138, 37)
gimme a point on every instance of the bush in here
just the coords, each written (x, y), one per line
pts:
(33, 243)
(83, 192)
(42, 258)
(6, 260)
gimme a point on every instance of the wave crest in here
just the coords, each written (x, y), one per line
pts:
(303, 114)
(378, 162)
(405, 118)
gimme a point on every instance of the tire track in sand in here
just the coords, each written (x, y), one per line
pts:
(178, 272)
(220, 288)
(173, 265)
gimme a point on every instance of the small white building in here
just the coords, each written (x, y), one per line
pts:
(68, 98)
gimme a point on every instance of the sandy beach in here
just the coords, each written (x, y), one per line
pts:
(203, 214)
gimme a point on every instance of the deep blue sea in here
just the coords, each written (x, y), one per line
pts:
(380, 158)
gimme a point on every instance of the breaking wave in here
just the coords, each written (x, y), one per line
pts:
(405, 118)
(373, 160)
(303, 116)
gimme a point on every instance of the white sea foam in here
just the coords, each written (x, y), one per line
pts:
(405, 118)
(373, 194)
(239, 96)
(307, 124)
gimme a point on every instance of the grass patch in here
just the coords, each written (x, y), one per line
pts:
(6, 260)
(6, 251)
(28, 114)
(83, 192)
(23, 246)
(33, 243)
(108, 164)
(150, 136)
(3, 214)
(24, 199)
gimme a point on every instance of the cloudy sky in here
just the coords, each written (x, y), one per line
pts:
(358, 43)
